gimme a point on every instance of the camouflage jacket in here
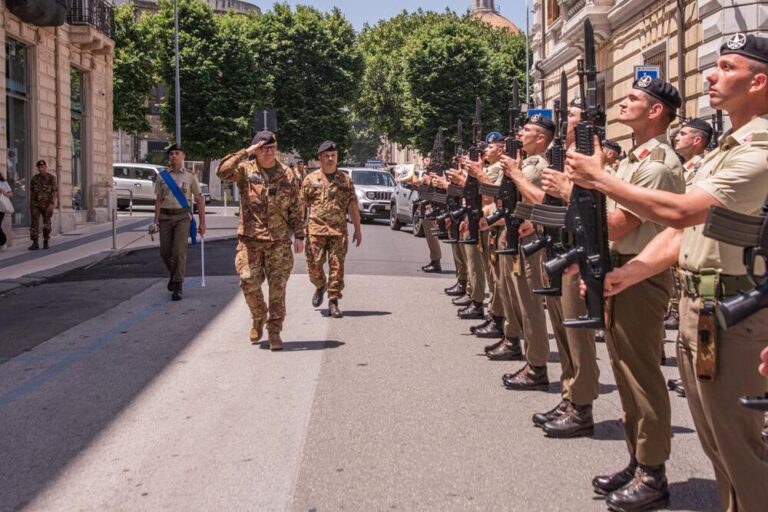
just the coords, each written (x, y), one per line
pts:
(43, 190)
(269, 208)
(327, 202)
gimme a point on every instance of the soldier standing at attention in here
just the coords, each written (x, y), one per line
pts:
(269, 196)
(433, 243)
(173, 219)
(329, 195)
(43, 196)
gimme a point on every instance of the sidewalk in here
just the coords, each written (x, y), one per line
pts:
(90, 243)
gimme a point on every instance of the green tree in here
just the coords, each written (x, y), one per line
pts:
(134, 71)
(364, 142)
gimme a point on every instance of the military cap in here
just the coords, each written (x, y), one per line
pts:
(173, 147)
(543, 121)
(701, 125)
(749, 46)
(493, 137)
(264, 135)
(40, 162)
(300, 161)
(577, 102)
(612, 145)
(327, 146)
(659, 89)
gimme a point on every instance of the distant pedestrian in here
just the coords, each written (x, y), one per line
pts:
(43, 196)
(173, 216)
(300, 171)
(5, 207)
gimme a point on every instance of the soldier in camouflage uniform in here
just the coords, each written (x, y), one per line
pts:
(330, 196)
(43, 195)
(269, 196)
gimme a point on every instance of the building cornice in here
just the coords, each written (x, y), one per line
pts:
(625, 10)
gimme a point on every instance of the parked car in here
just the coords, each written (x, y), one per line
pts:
(403, 211)
(140, 180)
(374, 190)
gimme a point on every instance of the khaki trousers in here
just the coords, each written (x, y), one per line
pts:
(460, 261)
(633, 338)
(491, 268)
(432, 241)
(729, 433)
(174, 232)
(534, 322)
(513, 318)
(578, 360)
(475, 271)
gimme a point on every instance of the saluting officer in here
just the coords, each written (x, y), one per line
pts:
(733, 176)
(269, 196)
(329, 195)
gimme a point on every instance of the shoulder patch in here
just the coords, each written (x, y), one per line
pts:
(658, 154)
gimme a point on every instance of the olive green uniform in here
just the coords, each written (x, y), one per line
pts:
(734, 174)
(43, 192)
(634, 333)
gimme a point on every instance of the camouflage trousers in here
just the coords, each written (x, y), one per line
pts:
(335, 249)
(37, 212)
(257, 261)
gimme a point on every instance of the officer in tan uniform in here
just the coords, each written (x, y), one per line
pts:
(328, 195)
(733, 176)
(433, 243)
(173, 221)
(269, 195)
(612, 150)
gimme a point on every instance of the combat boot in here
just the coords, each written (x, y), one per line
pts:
(648, 490)
(257, 330)
(485, 323)
(462, 302)
(34, 246)
(457, 290)
(533, 379)
(433, 267)
(493, 346)
(317, 297)
(606, 484)
(275, 342)
(509, 350)
(472, 312)
(333, 308)
(493, 329)
(540, 418)
(45, 244)
(176, 295)
(575, 422)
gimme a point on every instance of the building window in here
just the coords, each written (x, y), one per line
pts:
(17, 119)
(553, 11)
(77, 99)
(657, 56)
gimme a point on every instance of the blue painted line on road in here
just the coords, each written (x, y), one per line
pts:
(41, 357)
(56, 369)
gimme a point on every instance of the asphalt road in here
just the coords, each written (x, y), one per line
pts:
(114, 398)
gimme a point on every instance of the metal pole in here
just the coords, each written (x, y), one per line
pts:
(527, 56)
(178, 86)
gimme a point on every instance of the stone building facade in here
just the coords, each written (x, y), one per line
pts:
(633, 33)
(57, 106)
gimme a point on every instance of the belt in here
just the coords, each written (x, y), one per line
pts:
(174, 211)
(727, 285)
(619, 260)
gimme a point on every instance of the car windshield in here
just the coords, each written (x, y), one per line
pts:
(372, 178)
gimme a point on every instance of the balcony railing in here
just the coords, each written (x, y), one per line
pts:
(97, 13)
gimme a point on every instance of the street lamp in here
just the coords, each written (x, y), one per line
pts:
(177, 84)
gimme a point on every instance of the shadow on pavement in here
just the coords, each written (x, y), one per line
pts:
(697, 494)
(295, 346)
(611, 430)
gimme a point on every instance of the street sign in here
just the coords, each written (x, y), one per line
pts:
(541, 111)
(265, 120)
(651, 71)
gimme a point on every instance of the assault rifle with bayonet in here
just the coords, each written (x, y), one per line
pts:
(717, 129)
(454, 208)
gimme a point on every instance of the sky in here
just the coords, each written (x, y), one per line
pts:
(359, 12)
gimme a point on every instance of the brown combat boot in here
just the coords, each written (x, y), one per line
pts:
(648, 490)
(532, 378)
(576, 421)
(275, 342)
(256, 331)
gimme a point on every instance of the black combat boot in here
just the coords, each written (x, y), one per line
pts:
(45, 244)
(606, 484)
(433, 267)
(540, 418)
(493, 346)
(509, 350)
(333, 308)
(575, 422)
(317, 297)
(485, 323)
(462, 301)
(533, 379)
(474, 311)
(493, 330)
(34, 246)
(457, 290)
(648, 490)
(176, 295)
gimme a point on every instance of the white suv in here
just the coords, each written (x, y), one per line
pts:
(137, 181)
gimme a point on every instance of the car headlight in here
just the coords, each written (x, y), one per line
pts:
(370, 195)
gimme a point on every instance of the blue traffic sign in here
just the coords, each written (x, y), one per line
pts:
(541, 111)
(651, 71)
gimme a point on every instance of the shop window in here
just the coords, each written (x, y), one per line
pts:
(17, 136)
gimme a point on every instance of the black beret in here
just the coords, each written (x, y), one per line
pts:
(173, 147)
(612, 145)
(701, 125)
(659, 89)
(265, 135)
(327, 146)
(40, 162)
(576, 102)
(543, 121)
(750, 46)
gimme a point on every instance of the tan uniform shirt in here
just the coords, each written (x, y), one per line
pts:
(690, 168)
(494, 172)
(328, 201)
(736, 174)
(653, 165)
(187, 183)
(532, 168)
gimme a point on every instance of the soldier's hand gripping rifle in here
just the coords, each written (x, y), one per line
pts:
(455, 210)
(473, 201)
(439, 199)
(553, 208)
(586, 218)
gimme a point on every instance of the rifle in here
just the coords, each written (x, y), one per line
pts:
(717, 129)
(751, 233)
(473, 201)
(438, 199)
(455, 210)
(551, 238)
(586, 217)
